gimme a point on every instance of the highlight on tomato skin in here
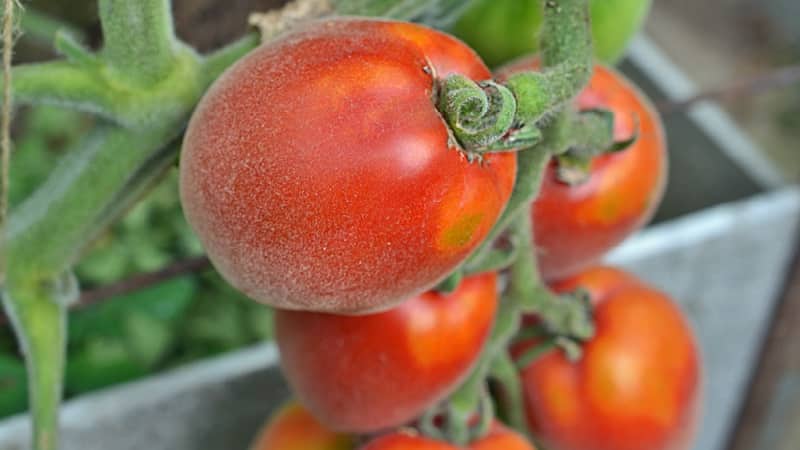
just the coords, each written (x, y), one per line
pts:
(637, 385)
(370, 373)
(319, 175)
(575, 225)
(292, 427)
(498, 438)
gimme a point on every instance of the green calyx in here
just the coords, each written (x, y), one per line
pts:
(582, 137)
(479, 114)
(489, 116)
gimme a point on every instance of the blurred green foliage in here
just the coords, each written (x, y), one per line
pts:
(128, 336)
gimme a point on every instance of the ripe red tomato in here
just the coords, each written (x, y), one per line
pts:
(574, 226)
(293, 428)
(637, 385)
(320, 176)
(499, 438)
(373, 372)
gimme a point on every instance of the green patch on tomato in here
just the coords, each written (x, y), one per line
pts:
(460, 233)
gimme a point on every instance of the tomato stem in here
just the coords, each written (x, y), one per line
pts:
(139, 41)
(491, 117)
(38, 312)
(567, 63)
(582, 136)
(511, 402)
(460, 408)
(563, 316)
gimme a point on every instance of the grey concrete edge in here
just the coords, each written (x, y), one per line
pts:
(703, 225)
(83, 412)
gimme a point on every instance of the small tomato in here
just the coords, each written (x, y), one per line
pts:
(575, 225)
(293, 428)
(499, 438)
(637, 384)
(373, 372)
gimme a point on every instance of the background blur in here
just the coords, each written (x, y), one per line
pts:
(715, 43)
(725, 40)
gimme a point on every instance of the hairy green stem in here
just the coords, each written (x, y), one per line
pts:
(466, 401)
(93, 185)
(62, 83)
(138, 39)
(566, 58)
(512, 403)
(567, 316)
(566, 69)
(566, 38)
(38, 312)
(83, 84)
(580, 137)
(90, 186)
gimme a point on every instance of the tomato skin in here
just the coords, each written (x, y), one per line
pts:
(499, 438)
(574, 226)
(637, 385)
(293, 428)
(369, 373)
(318, 175)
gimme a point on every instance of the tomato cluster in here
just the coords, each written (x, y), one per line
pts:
(324, 181)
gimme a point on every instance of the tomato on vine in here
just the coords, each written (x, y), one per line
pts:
(575, 224)
(319, 174)
(498, 438)
(636, 385)
(373, 372)
(293, 428)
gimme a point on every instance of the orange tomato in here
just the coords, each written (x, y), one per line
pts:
(293, 428)
(499, 438)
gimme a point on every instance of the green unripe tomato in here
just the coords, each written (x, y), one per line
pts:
(614, 23)
(501, 30)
